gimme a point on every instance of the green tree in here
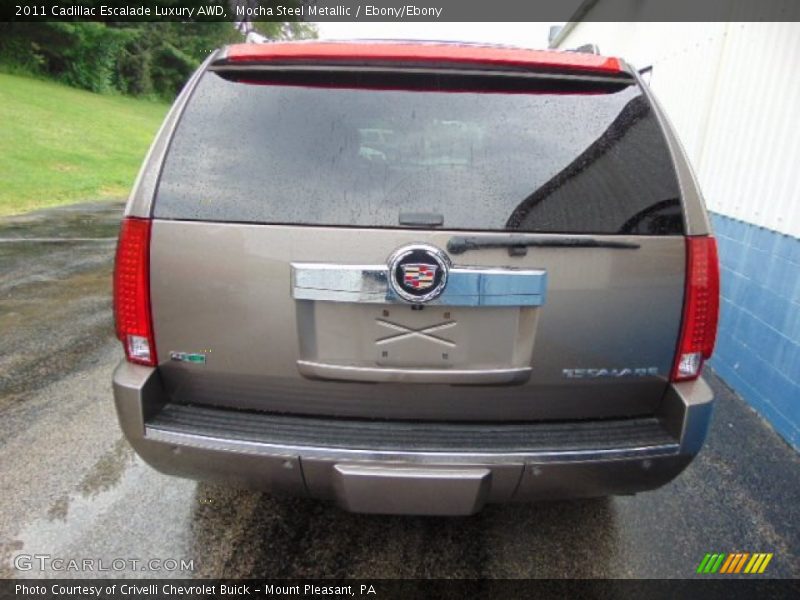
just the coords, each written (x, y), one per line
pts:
(79, 54)
(136, 58)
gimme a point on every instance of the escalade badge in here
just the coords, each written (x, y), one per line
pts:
(418, 273)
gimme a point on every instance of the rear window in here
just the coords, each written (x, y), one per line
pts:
(543, 158)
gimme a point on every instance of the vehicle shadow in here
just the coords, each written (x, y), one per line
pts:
(241, 533)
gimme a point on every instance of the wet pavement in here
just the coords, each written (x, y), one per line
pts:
(73, 489)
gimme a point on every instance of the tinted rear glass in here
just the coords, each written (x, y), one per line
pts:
(541, 159)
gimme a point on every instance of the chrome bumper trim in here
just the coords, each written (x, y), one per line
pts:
(312, 452)
(466, 286)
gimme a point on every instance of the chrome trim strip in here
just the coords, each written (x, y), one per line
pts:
(462, 376)
(313, 452)
(370, 279)
(466, 286)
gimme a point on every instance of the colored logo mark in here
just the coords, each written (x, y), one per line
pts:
(418, 276)
(742, 562)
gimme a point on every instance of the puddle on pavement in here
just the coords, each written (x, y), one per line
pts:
(95, 219)
(123, 509)
(275, 537)
(107, 471)
(133, 512)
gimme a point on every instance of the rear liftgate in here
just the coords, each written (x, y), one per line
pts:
(417, 319)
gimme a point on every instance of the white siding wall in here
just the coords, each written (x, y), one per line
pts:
(732, 90)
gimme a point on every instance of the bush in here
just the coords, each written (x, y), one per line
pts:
(79, 54)
(139, 59)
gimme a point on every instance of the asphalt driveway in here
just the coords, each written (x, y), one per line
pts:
(72, 487)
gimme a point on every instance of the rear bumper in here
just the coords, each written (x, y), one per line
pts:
(396, 468)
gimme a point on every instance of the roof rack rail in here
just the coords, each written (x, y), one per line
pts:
(255, 38)
(586, 49)
(251, 36)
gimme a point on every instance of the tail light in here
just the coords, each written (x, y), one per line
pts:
(700, 308)
(132, 292)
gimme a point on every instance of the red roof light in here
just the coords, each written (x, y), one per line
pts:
(421, 52)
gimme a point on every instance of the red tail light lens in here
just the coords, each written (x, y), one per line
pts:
(700, 308)
(132, 292)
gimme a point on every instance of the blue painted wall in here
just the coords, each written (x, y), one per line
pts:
(758, 345)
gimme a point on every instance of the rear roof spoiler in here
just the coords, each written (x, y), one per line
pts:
(419, 53)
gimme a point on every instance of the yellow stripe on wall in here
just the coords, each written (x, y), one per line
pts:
(765, 563)
(754, 562)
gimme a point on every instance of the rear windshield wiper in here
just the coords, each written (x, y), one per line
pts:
(518, 245)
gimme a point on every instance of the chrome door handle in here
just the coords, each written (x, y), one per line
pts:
(319, 370)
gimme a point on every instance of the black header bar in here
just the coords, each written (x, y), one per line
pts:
(399, 10)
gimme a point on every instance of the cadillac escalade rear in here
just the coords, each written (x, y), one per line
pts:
(416, 278)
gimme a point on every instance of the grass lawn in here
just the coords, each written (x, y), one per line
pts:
(60, 145)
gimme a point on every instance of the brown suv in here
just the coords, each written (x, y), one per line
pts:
(416, 278)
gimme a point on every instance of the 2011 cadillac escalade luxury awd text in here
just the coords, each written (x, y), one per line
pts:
(416, 278)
